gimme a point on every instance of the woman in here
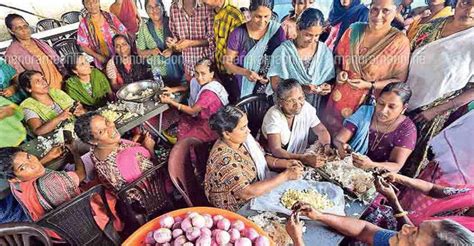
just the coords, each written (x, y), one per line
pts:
(117, 161)
(151, 45)
(343, 13)
(369, 55)
(391, 136)
(126, 67)
(7, 88)
(237, 167)
(305, 59)
(40, 190)
(441, 76)
(206, 97)
(250, 47)
(96, 31)
(437, 8)
(437, 202)
(46, 108)
(126, 11)
(11, 127)
(288, 22)
(287, 124)
(27, 53)
(86, 84)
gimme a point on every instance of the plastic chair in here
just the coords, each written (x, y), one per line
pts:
(47, 24)
(187, 167)
(154, 199)
(70, 17)
(74, 221)
(23, 234)
(255, 106)
(66, 46)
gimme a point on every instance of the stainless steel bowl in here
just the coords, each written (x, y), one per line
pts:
(133, 92)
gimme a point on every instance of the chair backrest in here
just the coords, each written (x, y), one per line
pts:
(74, 220)
(47, 24)
(23, 234)
(150, 187)
(66, 46)
(255, 106)
(70, 17)
(187, 167)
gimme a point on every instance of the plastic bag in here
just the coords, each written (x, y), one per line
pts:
(271, 201)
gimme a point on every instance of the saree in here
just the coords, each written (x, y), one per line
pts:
(100, 87)
(446, 71)
(32, 200)
(196, 89)
(7, 72)
(46, 113)
(416, 24)
(253, 59)
(287, 64)
(42, 58)
(428, 33)
(387, 59)
(229, 171)
(128, 16)
(99, 38)
(361, 119)
(13, 131)
(342, 18)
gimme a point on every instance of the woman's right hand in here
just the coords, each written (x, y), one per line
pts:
(294, 228)
(64, 115)
(253, 76)
(294, 172)
(306, 210)
(342, 149)
(342, 77)
(165, 98)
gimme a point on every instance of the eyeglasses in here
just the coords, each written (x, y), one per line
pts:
(293, 100)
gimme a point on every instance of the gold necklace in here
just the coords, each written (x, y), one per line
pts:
(378, 139)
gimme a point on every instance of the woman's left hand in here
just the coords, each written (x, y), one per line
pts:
(359, 83)
(362, 161)
(426, 115)
(183, 44)
(325, 89)
(55, 152)
(167, 53)
(148, 142)
(8, 92)
(80, 110)
(385, 189)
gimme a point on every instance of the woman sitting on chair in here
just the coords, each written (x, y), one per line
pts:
(287, 124)
(237, 168)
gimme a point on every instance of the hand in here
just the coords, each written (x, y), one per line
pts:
(6, 111)
(311, 89)
(55, 152)
(148, 142)
(294, 227)
(362, 161)
(168, 90)
(342, 150)
(306, 210)
(384, 188)
(392, 177)
(156, 52)
(290, 163)
(167, 53)
(253, 76)
(342, 77)
(171, 42)
(359, 83)
(325, 89)
(313, 160)
(65, 115)
(165, 98)
(183, 44)
(8, 92)
(426, 115)
(80, 110)
(294, 172)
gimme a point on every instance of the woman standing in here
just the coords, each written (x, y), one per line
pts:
(289, 22)
(438, 9)
(305, 59)
(126, 12)
(344, 13)
(250, 47)
(27, 53)
(152, 46)
(96, 31)
(368, 55)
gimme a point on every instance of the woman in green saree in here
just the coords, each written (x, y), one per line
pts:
(86, 84)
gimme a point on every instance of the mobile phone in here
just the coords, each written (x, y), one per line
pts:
(68, 138)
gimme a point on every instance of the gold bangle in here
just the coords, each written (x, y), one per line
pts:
(401, 214)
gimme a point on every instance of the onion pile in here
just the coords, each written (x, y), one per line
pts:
(204, 230)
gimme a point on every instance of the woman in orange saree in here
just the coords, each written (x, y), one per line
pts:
(368, 55)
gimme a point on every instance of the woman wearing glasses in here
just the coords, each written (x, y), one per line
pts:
(372, 54)
(286, 125)
(441, 75)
